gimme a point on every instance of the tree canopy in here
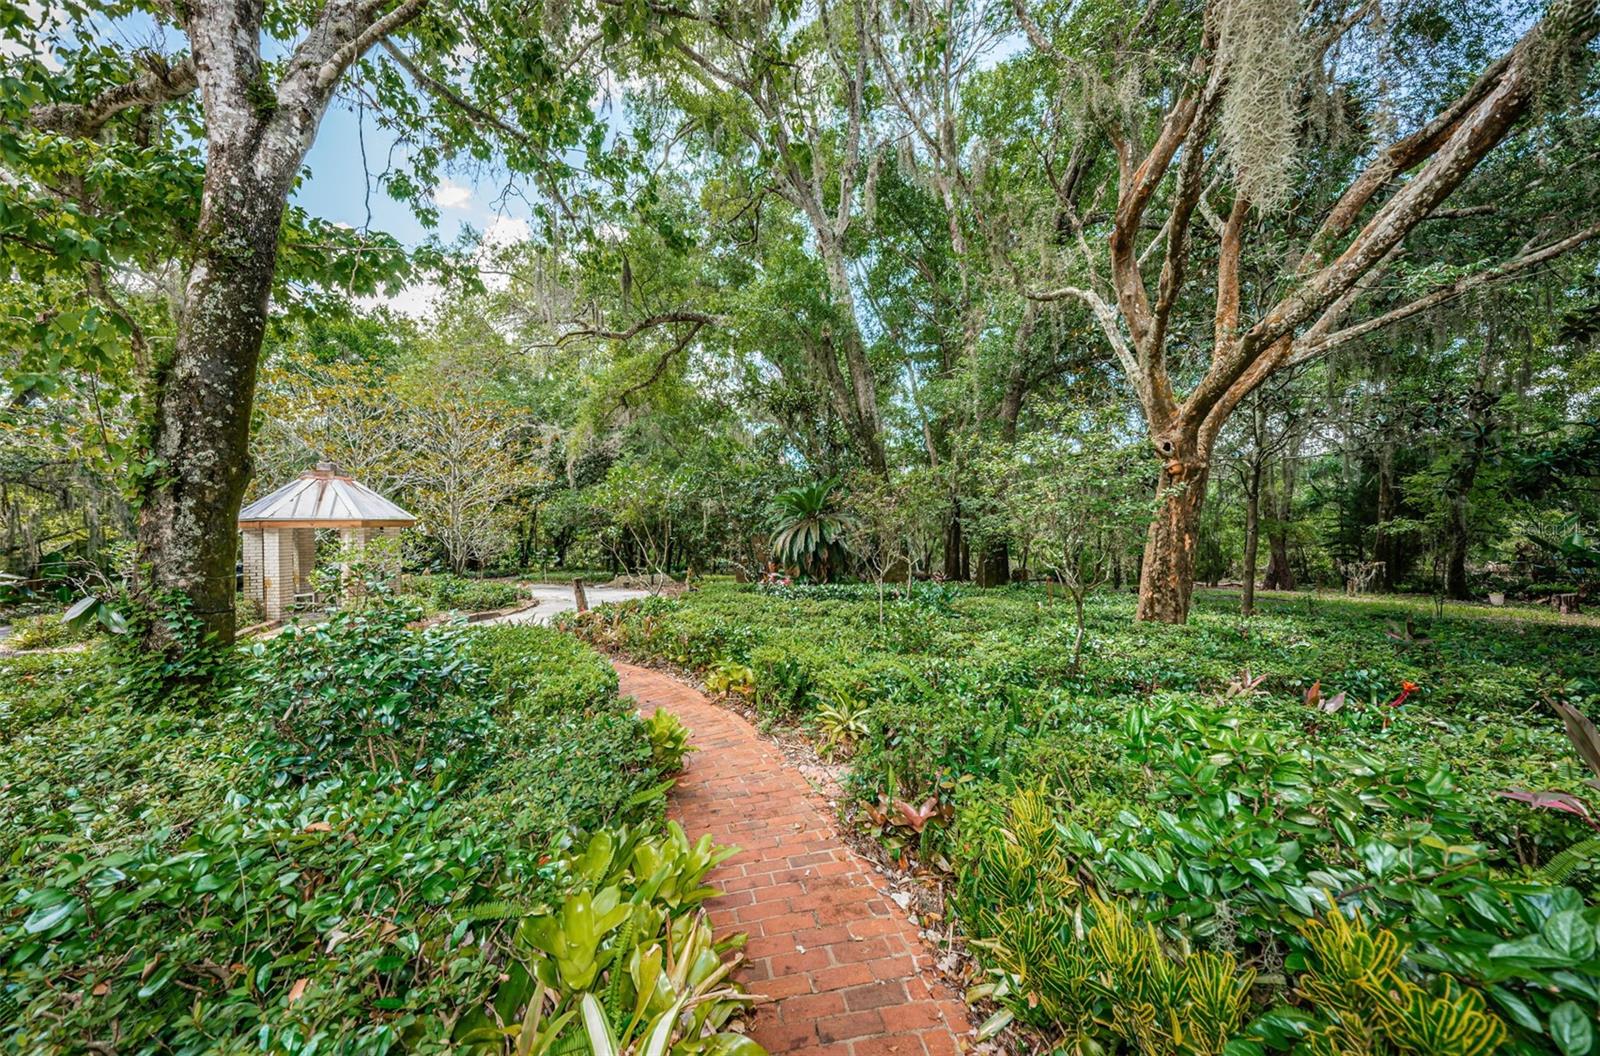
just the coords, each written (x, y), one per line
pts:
(1324, 275)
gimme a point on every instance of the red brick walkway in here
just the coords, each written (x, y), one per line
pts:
(847, 973)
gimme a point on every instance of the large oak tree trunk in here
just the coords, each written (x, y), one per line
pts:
(187, 533)
(864, 421)
(994, 564)
(952, 545)
(1166, 579)
(1280, 574)
(1455, 568)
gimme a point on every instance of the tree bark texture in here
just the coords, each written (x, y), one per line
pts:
(1385, 545)
(863, 392)
(953, 571)
(187, 532)
(257, 136)
(1280, 574)
(1166, 578)
(994, 564)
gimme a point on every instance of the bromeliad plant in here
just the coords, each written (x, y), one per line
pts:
(669, 741)
(626, 965)
(842, 723)
(729, 676)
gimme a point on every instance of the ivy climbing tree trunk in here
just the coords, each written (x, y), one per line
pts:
(187, 535)
(257, 134)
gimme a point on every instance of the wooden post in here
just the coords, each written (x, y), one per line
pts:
(578, 595)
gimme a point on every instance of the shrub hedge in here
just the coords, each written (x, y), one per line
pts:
(298, 869)
(1206, 781)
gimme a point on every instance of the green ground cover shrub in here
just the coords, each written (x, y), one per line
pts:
(47, 631)
(41, 686)
(1210, 783)
(338, 858)
(444, 592)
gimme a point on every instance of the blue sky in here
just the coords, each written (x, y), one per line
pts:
(339, 189)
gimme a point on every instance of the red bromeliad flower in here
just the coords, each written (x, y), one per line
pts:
(1406, 689)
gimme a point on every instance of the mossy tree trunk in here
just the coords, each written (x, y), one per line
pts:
(200, 428)
(259, 125)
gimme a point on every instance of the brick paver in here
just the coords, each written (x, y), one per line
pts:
(846, 971)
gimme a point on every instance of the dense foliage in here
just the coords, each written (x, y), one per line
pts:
(1228, 783)
(890, 244)
(444, 592)
(1073, 294)
(337, 858)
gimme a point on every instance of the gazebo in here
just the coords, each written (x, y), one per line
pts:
(280, 533)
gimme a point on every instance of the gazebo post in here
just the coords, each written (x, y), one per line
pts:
(278, 571)
(305, 558)
(254, 586)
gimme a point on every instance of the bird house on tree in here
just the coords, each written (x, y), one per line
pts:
(280, 535)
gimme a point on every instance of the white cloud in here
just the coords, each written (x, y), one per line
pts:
(452, 195)
(47, 21)
(415, 302)
(419, 300)
(506, 231)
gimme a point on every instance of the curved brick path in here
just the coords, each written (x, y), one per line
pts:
(844, 967)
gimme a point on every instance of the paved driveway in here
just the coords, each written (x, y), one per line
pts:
(555, 599)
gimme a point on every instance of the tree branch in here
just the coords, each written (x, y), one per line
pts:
(664, 360)
(159, 83)
(1499, 273)
(1106, 316)
(478, 115)
(647, 323)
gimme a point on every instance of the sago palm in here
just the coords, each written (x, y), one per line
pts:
(806, 530)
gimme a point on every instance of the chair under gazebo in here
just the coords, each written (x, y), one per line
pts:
(280, 534)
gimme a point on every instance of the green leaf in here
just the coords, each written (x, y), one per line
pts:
(1568, 933)
(601, 1040)
(1528, 952)
(995, 1024)
(1572, 1029)
(46, 917)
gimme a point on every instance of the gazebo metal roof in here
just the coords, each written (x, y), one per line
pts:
(322, 497)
